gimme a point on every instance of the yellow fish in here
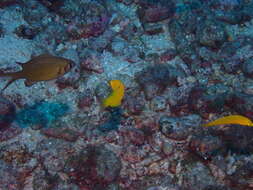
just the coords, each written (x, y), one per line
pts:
(115, 98)
(231, 119)
(40, 68)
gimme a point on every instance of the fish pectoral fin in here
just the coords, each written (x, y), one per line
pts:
(29, 83)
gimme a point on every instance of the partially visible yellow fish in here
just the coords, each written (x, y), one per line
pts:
(40, 68)
(115, 98)
(231, 119)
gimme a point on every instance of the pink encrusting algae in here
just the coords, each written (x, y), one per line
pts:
(137, 110)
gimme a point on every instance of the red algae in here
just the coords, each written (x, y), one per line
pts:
(6, 3)
(10, 132)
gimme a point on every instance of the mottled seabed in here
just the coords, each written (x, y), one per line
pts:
(179, 63)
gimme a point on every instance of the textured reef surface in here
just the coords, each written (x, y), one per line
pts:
(128, 111)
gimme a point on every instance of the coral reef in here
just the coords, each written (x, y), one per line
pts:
(183, 64)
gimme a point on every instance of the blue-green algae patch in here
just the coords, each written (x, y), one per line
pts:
(41, 113)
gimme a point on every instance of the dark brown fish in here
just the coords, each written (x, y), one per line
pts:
(40, 68)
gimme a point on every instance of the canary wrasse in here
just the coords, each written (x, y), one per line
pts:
(116, 96)
(231, 119)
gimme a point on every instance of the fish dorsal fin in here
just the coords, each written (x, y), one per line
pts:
(34, 58)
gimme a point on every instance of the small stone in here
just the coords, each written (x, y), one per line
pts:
(167, 148)
(131, 154)
(158, 103)
(179, 128)
(7, 113)
(168, 55)
(92, 63)
(134, 105)
(52, 5)
(26, 32)
(198, 176)
(206, 146)
(156, 13)
(6, 3)
(247, 68)
(95, 166)
(12, 131)
(211, 34)
(61, 133)
(126, 2)
(133, 135)
(86, 99)
(154, 79)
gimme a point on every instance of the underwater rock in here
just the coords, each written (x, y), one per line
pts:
(206, 146)
(53, 154)
(241, 103)
(91, 62)
(228, 11)
(87, 18)
(247, 11)
(134, 105)
(132, 135)
(151, 13)
(12, 131)
(70, 80)
(186, 48)
(236, 139)
(19, 156)
(17, 164)
(9, 179)
(197, 175)
(211, 33)
(42, 180)
(126, 2)
(247, 68)
(158, 103)
(168, 55)
(241, 178)
(101, 42)
(6, 3)
(7, 113)
(156, 12)
(203, 104)
(94, 167)
(102, 91)
(131, 154)
(85, 99)
(175, 128)
(232, 66)
(154, 79)
(61, 133)
(52, 5)
(26, 32)
(1, 31)
(113, 122)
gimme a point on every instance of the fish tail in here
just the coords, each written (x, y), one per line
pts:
(14, 76)
(2, 74)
